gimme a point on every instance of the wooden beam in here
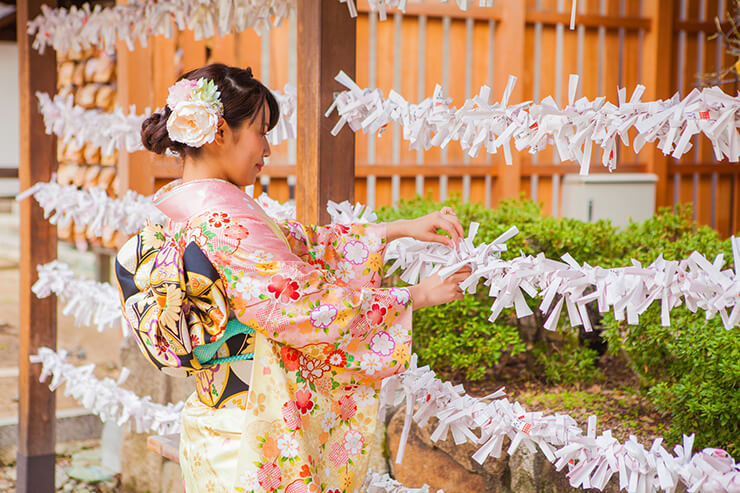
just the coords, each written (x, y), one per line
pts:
(509, 60)
(590, 21)
(441, 10)
(327, 41)
(720, 168)
(657, 63)
(38, 317)
(460, 169)
(694, 26)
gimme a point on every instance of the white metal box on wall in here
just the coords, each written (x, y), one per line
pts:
(614, 196)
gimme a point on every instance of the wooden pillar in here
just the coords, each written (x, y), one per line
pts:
(38, 245)
(326, 164)
(509, 60)
(658, 74)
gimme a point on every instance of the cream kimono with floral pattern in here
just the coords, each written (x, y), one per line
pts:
(326, 335)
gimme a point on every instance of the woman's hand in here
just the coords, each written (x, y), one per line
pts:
(434, 290)
(425, 228)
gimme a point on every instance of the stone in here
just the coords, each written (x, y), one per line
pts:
(60, 477)
(171, 478)
(432, 465)
(525, 467)
(89, 474)
(141, 468)
(463, 454)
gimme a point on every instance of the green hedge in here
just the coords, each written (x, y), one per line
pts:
(690, 370)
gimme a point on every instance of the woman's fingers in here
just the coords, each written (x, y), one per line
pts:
(449, 215)
(447, 224)
(441, 239)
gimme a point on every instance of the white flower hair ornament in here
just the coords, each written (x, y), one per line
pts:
(196, 108)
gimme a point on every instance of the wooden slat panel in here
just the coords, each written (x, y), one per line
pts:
(279, 189)
(383, 191)
(658, 76)
(686, 190)
(704, 200)
(223, 50)
(165, 72)
(478, 190)
(361, 190)
(279, 77)
(248, 48)
(611, 66)
(135, 76)
(544, 194)
(724, 206)
(510, 60)
(409, 79)
(363, 55)
(433, 75)
(456, 90)
(482, 61)
(385, 43)
(590, 82)
(548, 70)
(193, 52)
(408, 188)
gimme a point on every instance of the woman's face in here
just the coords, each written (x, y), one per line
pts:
(245, 150)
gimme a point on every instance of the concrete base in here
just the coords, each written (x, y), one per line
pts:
(72, 425)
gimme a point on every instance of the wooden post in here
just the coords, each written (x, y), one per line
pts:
(658, 74)
(326, 164)
(38, 245)
(509, 58)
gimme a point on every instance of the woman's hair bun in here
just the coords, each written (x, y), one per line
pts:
(154, 133)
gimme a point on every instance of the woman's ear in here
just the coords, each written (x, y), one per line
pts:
(220, 129)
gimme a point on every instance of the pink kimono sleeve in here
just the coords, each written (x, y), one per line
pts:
(331, 334)
(340, 249)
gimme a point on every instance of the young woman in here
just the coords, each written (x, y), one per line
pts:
(284, 325)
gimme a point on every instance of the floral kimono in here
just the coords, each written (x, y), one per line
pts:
(299, 414)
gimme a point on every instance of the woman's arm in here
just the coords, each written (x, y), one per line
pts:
(350, 333)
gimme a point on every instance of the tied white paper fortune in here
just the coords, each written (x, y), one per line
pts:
(115, 130)
(105, 397)
(711, 468)
(104, 215)
(77, 29)
(628, 291)
(591, 460)
(382, 6)
(93, 208)
(90, 302)
(383, 483)
(573, 130)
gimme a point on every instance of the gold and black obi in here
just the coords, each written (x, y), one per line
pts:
(176, 306)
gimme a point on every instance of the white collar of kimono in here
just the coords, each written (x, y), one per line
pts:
(180, 200)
